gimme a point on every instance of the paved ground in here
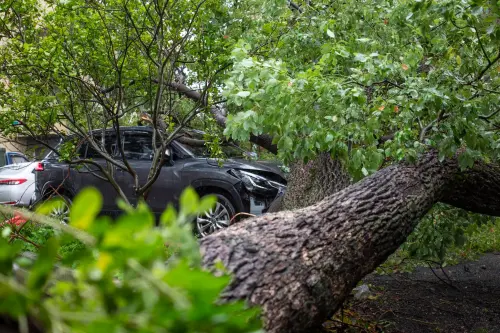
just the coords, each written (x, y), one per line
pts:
(463, 298)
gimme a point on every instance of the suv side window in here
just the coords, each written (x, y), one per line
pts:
(176, 155)
(109, 143)
(138, 146)
(82, 150)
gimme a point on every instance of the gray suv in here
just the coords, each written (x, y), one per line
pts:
(241, 185)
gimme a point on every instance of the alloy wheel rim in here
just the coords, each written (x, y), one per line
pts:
(215, 219)
(61, 212)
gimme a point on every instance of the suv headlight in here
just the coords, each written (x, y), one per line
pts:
(258, 184)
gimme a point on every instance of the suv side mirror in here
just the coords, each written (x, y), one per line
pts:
(169, 160)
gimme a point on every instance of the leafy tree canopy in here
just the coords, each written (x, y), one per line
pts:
(72, 66)
(93, 64)
(339, 76)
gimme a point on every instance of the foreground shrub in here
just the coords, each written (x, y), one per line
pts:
(99, 275)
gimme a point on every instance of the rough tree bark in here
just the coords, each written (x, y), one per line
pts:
(300, 265)
(311, 182)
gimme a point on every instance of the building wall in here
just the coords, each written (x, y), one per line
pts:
(29, 146)
(13, 144)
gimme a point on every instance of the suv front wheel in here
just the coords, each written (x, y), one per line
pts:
(216, 218)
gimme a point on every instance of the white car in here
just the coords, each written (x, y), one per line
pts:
(17, 183)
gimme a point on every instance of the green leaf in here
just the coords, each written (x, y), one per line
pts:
(465, 160)
(248, 63)
(8, 253)
(43, 266)
(85, 208)
(357, 159)
(460, 239)
(206, 203)
(124, 206)
(169, 215)
(189, 201)
(285, 143)
(47, 207)
(360, 57)
(243, 94)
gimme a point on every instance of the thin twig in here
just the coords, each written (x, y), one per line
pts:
(440, 117)
(481, 45)
(240, 214)
(24, 239)
(440, 279)
(487, 117)
(485, 69)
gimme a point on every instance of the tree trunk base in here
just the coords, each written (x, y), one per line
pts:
(309, 183)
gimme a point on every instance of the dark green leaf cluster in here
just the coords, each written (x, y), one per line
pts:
(443, 229)
(446, 235)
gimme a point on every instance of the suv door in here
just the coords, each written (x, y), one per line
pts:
(91, 175)
(138, 151)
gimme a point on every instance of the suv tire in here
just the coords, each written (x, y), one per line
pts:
(217, 218)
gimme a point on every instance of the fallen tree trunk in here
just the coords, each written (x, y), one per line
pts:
(300, 265)
(311, 182)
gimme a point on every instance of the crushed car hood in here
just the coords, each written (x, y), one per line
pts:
(270, 166)
(241, 164)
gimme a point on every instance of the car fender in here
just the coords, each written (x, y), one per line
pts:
(234, 189)
(25, 199)
(53, 185)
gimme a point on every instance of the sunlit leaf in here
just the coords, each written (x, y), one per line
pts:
(85, 207)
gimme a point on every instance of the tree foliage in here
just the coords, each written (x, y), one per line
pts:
(370, 82)
(336, 77)
(344, 75)
(373, 83)
(70, 67)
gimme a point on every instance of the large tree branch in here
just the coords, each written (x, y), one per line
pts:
(485, 69)
(476, 190)
(263, 140)
(301, 265)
